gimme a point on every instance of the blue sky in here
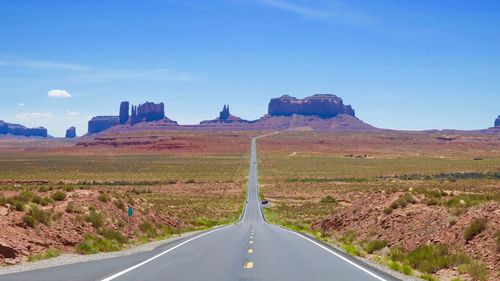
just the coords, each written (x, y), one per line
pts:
(401, 64)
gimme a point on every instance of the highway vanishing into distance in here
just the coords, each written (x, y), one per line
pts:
(250, 249)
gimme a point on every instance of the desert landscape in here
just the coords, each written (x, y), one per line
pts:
(421, 203)
(60, 196)
(425, 204)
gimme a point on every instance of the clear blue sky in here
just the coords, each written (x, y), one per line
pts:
(401, 64)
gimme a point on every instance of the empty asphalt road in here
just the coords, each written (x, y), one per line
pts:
(248, 250)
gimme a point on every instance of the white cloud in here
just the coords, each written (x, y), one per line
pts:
(325, 10)
(84, 73)
(59, 94)
(21, 104)
(54, 65)
(34, 115)
(45, 65)
(72, 113)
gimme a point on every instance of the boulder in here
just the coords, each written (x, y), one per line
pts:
(20, 130)
(124, 109)
(497, 121)
(71, 133)
(100, 123)
(325, 106)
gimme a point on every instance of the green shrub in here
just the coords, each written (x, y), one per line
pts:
(40, 215)
(407, 270)
(37, 199)
(105, 245)
(388, 210)
(26, 196)
(475, 227)
(70, 208)
(46, 201)
(431, 202)
(475, 269)
(166, 231)
(3, 200)
(93, 244)
(29, 220)
(351, 249)
(148, 228)
(349, 237)
(374, 245)
(328, 200)
(103, 197)
(44, 188)
(95, 218)
(395, 266)
(50, 253)
(18, 205)
(58, 195)
(86, 248)
(205, 222)
(431, 258)
(120, 205)
(114, 235)
(397, 254)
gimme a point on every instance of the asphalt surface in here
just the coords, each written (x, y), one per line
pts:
(251, 249)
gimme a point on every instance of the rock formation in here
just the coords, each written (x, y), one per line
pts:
(225, 117)
(147, 112)
(71, 133)
(20, 130)
(224, 114)
(100, 123)
(4, 129)
(497, 121)
(325, 106)
(124, 108)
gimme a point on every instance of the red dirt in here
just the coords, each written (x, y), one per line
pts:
(418, 224)
(18, 240)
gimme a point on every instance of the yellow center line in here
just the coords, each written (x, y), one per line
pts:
(248, 265)
(251, 242)
(250, 250)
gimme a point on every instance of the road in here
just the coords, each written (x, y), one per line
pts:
(251, 249)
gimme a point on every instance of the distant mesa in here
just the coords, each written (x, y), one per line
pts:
(71, 133)
(147, 112)
(100, 123)
(225, 117)
(130, 115)
(124, 109)
(319, 113)
(325, 106)
(497, 122)
(20, 130)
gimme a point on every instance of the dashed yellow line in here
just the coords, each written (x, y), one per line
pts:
(248, 265)
(251, 241)
(250, 250)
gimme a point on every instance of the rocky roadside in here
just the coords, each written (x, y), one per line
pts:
(66, 259)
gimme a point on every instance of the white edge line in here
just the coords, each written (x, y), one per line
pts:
(160, 254)
(336, 254)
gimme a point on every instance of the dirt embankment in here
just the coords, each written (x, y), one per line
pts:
(418, 224)
(67, 222)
